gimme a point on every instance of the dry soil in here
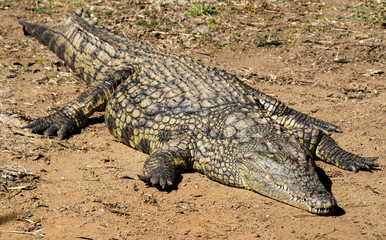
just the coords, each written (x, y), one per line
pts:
(326, 59)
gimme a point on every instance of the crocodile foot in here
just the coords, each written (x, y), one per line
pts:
(158, 171)
(159, 178)
(357, 163)
(55, 124)
(329, 151)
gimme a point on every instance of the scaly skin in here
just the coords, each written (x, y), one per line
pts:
(189, 116)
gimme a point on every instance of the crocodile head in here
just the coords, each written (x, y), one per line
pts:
(277, 166)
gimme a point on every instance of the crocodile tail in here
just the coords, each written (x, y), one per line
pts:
(50, 35)
(60, 38)
(40, 32)
(77, 42)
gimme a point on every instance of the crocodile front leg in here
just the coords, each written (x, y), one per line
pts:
(74, 115)
(329, 151)
(163, 164)
(326, 149)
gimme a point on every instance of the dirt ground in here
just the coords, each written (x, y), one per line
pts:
(326, 59)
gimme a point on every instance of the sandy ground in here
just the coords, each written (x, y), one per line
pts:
(326, 59)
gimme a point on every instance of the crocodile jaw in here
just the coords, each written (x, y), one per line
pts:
(322, 203)
(281, 169)
(309, 195)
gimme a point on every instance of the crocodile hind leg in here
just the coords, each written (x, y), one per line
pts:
(329, 151)
(313, 134)
(163, 164)
(278, 111)
(290, 118)
(326, 149)
(74, 115)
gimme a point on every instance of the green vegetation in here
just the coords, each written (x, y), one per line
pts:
(141, 22)
(19, 44)
(367, 11)
(129, 4)
(153, 21)
(188, 31)
(107, 13)
(212, 24)
(201, 9)
(24, 68)
(340, 60)
(267, 41)
(78, 4)
(86, 10)
(43, 8)
(40, 9)
(40, 60)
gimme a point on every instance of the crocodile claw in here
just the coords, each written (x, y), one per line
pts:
(160, 177)
(366, 163)
(55, 124)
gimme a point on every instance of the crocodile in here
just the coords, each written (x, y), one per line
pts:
(188, 116)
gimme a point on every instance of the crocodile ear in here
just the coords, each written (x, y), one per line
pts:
(269, 146)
